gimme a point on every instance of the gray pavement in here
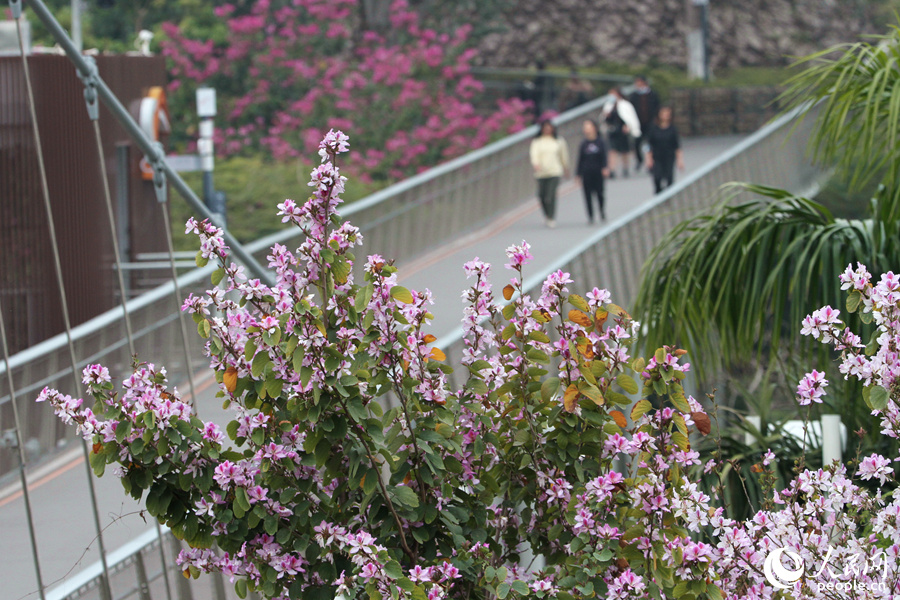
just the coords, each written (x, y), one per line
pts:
(59, 490)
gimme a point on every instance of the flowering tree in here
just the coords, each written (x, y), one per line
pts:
(559, 469)
(289, 71)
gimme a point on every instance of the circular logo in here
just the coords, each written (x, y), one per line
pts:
(776, 573)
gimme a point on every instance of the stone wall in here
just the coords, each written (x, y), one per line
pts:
(742, 33)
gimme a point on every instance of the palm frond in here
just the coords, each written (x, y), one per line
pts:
(857, 87)
(727, 285)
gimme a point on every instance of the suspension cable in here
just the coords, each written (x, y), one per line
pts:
(93, 108)
(184, 332)
(20, 450)
(16, 6)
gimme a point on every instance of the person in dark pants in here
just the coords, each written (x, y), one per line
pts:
(592, 168)
(550, 161)
(646, 104)
(664, 152)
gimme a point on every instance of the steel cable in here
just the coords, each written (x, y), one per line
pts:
(20, 449)
(129, 331)
(106, 586)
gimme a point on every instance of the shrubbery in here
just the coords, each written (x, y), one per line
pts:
(353, 469)
(289, 71)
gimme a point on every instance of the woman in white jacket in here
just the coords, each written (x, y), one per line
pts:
(550, 161)
(622, 124)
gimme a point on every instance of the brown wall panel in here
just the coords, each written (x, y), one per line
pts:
(28, 291)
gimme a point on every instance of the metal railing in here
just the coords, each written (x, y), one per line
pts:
(402, 221)
(613, 257)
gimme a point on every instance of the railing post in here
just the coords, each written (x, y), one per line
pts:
(218, 581)
(143, 584)
(831, 439)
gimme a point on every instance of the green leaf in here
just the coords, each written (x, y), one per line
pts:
(854, 298)
(520, 586)
(509, 310)
(203, 328)
(579, 303)
(660, 355)
(680, 440)
(370, 481)
(549, 388)
(640, 409)
(341, 270)
(201, 260)
(401, 294)
(593, 393)
(217, 276)
(392, 569)
(539, 336)
(259, 364)
(241, 498)
(240, 588)
(878, 398)
(363, 296)
(679, 401)
(357, 410)
(405, 496)
(627, 383)
(537, 356)
(503, 590)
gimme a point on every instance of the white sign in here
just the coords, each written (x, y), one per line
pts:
(206, 103)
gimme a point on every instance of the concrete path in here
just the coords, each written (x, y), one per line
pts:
(59, 492)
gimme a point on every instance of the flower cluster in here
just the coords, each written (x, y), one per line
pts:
(289, 71)
(558, 467)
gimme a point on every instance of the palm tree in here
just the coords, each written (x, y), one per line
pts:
(733, 284)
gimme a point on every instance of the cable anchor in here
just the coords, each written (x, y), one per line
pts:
(90, 81)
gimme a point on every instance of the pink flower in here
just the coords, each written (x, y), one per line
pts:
(811, 388)
(876, 466)
(518, 256)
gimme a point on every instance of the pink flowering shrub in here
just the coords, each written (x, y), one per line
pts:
(287, 72)
(352, 468)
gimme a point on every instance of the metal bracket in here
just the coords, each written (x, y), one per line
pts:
(159, 175)
(16, 8)
(90, 81)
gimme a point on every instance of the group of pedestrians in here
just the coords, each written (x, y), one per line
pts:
(639, 124)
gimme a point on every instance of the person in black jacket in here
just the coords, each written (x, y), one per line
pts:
(592, 168)
(664, 152)
(646, 105)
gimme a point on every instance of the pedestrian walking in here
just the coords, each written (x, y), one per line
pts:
(664, 151)
(622, 124)
(592, 169)
(550, 161)
(646, 105)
